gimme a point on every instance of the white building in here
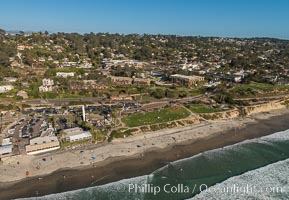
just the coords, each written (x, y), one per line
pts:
(6, 88)
(47, 82)
(22, 94)
(41, 59)
(47, 85)
(65, 74)
(42, 144)
(237, 79)
(9, 79)
(69, 64)
(212, 84)
(11, 130)
(5, 149)
(45, 88)
(76, 134)
(122, 63)
(6, 146)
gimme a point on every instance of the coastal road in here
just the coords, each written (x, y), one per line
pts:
(62, 100)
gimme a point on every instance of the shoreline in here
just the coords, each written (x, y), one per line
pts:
(113, 168)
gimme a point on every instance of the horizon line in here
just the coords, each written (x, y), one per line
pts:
(135, 33)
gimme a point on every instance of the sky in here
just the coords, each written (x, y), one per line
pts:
(225, 18)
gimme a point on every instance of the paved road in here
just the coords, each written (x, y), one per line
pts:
(64, 100)
(95, 99)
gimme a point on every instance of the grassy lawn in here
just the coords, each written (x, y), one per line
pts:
(254, 87)
(159, 116)
(202, 108)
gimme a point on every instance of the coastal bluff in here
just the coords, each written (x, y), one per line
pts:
(245, 110)
(229, 114)
(265, 107)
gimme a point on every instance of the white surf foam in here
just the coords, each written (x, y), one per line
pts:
(269, 182)
(113, 190)
(214, 154)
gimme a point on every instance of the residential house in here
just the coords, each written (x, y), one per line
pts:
(121, 80)
(41, 59)
(141, 82)
(65, 74)
(6, 88)
(9, 79)
(86, 84)
(212, 84)
(130, 81)
(121, 97)
(25, 84)
(237, 79)
(69, 64)
(22, 94)
(22, 47)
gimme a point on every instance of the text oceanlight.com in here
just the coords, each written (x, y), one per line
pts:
(181, 188)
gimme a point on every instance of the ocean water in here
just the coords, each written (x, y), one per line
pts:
(269, 182)
(253, 169)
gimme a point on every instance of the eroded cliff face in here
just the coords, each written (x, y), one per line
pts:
(244, 111)
(178, 123)
(229, 114)
(189, 120)
(265, 107)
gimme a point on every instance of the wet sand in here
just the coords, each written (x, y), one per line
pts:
(118, 168)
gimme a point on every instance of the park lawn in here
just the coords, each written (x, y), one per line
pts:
(202, 108)
(154, 117)
(253, 87)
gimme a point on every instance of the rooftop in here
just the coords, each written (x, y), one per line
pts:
(5, 142)
(43, 140)
(184, 76)
(73, 131)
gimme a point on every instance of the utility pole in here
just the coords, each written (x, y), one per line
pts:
(1, 115)
(83, 113)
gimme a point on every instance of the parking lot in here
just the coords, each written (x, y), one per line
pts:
(25, 129)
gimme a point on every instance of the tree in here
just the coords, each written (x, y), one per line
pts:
(2, 32)
(4, 59)
(34, 92)
(28, 58)
(145, 53)
(158, 93)
(183, 94)
(171, 93)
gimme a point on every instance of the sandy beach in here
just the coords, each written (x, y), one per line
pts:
(128, 157)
